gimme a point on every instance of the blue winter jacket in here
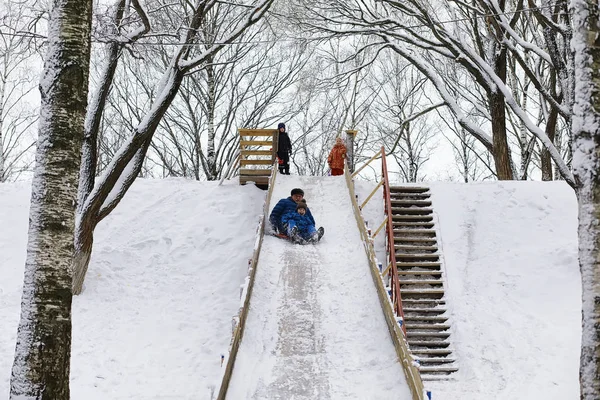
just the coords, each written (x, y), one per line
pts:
(303, 222)
(283, 207)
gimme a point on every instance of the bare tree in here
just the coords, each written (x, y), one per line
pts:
(249, 84)
(472, 163)
(479, 36)
(17, 117)
(98, 196)
(586, 148)
(338, 99)
(400, 114)
(43, 350)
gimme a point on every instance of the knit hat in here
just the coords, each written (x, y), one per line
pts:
(301, 204)
(281, 125)
(297, 191)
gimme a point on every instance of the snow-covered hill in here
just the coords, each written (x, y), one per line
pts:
(513, 287)
(165, 274)
(162, 288)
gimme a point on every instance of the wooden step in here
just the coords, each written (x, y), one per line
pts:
(423, 318)
(410, 293)
(430, 303)
(414, 232)
(246, 143)
(411, 211)
(410, 257)
(421, 282)
(257, 132)
(256, 162)
(416, 225)
(436, 360)
(424, 264)
(423, 310)
(418, 272)
(401, 195)
(445, 369)
(432, 352)
(255, 172)
(429, 344)
(421, 291)
(431, 306)
(408, 189)
(428, 327)
(421, 334)
(411, 311)
(410, 203)
(257, 153)
(413, 218)
(437, 378)
(419, 240)
(407, 249)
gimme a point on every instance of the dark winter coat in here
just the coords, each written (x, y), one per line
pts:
(303, 222)
(284, 146)
(283, 207)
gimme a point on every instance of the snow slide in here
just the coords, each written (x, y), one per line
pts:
(315, 328)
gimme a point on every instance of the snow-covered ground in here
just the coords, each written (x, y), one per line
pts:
(513, 289)
(164, 284)
(162, 288)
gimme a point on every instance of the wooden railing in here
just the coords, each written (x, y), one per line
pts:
(391, 248)
(413, 377)
(247, 292)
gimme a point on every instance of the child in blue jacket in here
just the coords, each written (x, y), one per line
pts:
(300, 227)
(287, 205)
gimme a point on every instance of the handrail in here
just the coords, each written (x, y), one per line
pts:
(413, 377)
(396, 297)
(385, 220)
(365, 164)
(243, 313)
(364, 203)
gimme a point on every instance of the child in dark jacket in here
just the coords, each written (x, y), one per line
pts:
(287, 205)
(300, 227)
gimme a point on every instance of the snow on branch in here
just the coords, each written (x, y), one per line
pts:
(424, 66)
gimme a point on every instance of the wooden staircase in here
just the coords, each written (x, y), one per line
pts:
(421, 281)
(257, 155)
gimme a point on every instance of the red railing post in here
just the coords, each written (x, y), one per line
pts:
(396, 297)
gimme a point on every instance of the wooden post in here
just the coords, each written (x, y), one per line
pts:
(350, 135)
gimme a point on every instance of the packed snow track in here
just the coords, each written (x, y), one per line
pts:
(315, 328)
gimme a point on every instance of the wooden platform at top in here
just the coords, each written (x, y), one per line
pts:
(256, 162)
(257, 132)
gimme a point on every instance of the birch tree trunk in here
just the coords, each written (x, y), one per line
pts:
(211, 159)
(2, 156)
(43, 351)
(586, 148)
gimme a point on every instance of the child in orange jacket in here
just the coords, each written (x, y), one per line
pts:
(336, 158)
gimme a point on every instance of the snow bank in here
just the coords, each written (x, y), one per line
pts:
(162, 288)
(513, 289)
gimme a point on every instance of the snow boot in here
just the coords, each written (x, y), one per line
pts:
(320, 232)
(295, 237)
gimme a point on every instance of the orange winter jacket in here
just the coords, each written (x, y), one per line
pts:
(337, 156)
